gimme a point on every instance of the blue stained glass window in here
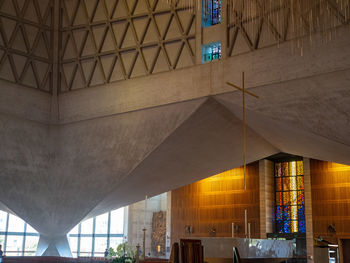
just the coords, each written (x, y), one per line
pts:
(302, 228)
(290, 198)
(211, 52)
(286, 227)
(301, 212)
(211, 12)
(279, 213)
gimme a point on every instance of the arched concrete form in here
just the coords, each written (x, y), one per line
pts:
(207, 143)
(67, 170)
(57, 246)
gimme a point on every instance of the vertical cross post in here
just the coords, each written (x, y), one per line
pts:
(244, 129)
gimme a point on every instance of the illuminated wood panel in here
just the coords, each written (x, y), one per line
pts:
(330, 183)
(217, 202)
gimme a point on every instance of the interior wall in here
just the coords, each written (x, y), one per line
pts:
(217, 202)
(267, 196)
(330, 184)
(140, 217)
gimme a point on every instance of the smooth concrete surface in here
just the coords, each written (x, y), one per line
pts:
(207, 143)
(54, 175)
(290, 139)
(24, 103)
(53, 246)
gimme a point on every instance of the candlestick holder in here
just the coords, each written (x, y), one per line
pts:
(137, 255)
(144, 243)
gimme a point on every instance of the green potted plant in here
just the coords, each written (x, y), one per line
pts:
(124, 253)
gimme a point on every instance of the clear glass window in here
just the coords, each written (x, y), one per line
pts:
(73, 243)
(17, 237)
(95, 234)
(87, 226)
(100, 245)
(101, 224)
(3, 221)
(30, 229)
(14, 245)
(31, 244)
(16, 224)
(117, 221)
(85, 245)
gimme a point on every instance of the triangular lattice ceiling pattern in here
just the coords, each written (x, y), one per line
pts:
(256, 24)
(25, 42)
(110, 40)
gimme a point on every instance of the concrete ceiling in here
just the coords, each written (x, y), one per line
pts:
(77, 154)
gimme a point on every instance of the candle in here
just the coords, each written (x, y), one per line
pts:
(233, 230)
(145, 209)
(137, 230)
(158, 248)
(245, 222)
(249, 230)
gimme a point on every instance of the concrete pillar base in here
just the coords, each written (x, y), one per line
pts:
(53, 246)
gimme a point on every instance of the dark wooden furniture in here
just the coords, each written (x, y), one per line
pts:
(191, 251)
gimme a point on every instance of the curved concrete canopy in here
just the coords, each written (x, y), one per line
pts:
(53, 175)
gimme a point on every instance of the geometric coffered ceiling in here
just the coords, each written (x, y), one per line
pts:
(250, 28)
(104, 41)
(26, 43)
(98, 41)
(107, 41)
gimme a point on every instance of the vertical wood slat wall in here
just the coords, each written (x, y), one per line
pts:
(267, 196)
(308, 211)
(217, 202)
(330, 183)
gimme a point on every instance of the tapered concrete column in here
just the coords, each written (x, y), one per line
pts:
(53, 246)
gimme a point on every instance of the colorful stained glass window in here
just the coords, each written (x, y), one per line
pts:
(279, 213)
(300, 182)
(211, 12)
(278, 184)
(290, 198)
(211, 52)
(278, 170)
(279, 199)
(301, 198)
(300, 168)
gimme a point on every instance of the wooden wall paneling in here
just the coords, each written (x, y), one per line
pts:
(216, 202)
(330, 199)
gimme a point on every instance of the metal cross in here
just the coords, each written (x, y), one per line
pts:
(244, 132)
